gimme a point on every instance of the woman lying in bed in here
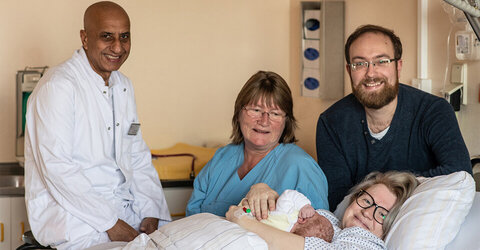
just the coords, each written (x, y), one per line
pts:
(374, 204)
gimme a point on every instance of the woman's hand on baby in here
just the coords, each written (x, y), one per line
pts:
(260, 199)
(305, 212)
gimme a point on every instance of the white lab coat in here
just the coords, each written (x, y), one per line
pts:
(77, 175)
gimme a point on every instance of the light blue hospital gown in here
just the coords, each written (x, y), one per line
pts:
(348, 238)
(287, 166)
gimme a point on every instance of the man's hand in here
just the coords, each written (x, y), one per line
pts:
(148, 225)
(121, 231)
(260, 199)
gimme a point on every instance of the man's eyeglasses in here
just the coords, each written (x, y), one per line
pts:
(257, 113)
(380, 63)
(365, 200)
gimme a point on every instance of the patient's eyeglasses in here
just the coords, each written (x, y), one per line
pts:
(365, 200)
(256, 113)
(380, 63)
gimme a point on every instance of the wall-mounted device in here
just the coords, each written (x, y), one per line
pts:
(456, 91)
(471, 9)
(27, 79)
(467, 45)
(322, 49)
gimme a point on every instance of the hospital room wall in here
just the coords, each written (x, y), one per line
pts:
(440, 25)
(190, 58)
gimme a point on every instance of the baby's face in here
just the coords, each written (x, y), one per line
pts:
(315, 226)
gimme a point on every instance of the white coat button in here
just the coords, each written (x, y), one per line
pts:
(118, 124)
(125, 90)
(104, 92)
(109, 128)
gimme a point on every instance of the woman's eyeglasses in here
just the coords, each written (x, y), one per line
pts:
(365, 200)
(256, 113)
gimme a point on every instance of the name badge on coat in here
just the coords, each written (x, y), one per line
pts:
(134, 127)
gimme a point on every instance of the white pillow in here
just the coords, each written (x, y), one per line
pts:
(340, 210)
(432, 216)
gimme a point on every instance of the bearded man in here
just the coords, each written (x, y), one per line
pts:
(385, 125)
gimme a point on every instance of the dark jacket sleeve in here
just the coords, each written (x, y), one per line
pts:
(332, 161)
(441, 130)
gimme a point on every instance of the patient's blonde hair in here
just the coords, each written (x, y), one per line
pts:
(401, 184)
(269, 87)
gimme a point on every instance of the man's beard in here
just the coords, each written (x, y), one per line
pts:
(375, 100)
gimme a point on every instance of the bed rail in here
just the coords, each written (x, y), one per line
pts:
(192, 168)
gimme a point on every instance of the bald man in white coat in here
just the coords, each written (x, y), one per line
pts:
(89, 177)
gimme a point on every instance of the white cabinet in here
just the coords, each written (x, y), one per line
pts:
(177, 199)
(13, 222)
(5, 223)
(19, 220)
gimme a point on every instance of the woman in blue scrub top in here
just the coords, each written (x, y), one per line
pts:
(262, 151)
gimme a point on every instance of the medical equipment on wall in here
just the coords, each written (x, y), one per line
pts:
(456, 92)
(322, 49)
(469, 6)
(311, 49)
(471, 9)
(467, 45)
(467, 48)
(467, 41)
(27, 79)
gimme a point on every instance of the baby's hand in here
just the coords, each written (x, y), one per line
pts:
(306, 211)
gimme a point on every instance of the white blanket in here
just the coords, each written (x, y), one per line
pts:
(200, 231)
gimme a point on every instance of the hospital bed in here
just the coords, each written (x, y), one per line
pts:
(469, 222)
(467, 237)
(211, 232)
(459, 231)
(443, 213)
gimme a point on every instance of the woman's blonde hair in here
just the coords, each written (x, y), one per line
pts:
(271, 88)
(401, 184)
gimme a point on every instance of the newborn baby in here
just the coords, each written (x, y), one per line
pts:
(294, 214)
(315, 226)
